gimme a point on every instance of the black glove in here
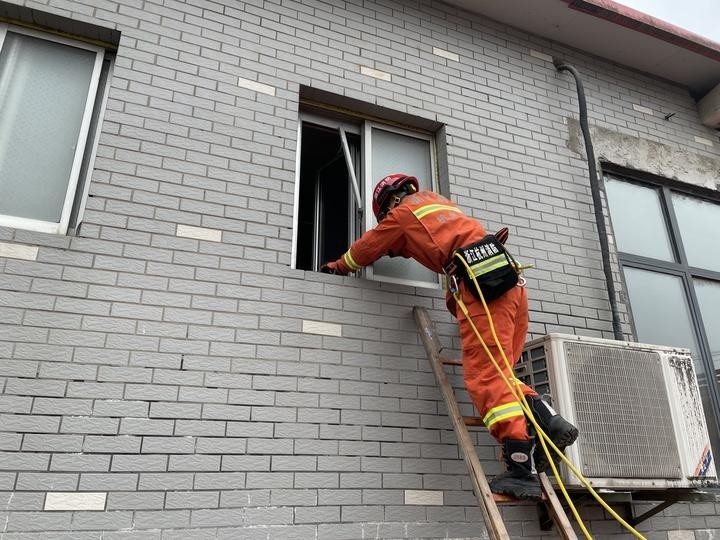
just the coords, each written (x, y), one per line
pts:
(327, 269)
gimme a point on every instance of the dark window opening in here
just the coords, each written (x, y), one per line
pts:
(327, 212)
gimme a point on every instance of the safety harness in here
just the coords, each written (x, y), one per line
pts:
(488, 264)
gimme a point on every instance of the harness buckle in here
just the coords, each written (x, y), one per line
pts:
(453, 284)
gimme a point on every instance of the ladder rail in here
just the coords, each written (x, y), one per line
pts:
(493, 518)
(558, 515)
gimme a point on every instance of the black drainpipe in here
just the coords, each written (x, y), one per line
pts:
(597, 201)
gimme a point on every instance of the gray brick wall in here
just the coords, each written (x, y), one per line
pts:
(171, 373)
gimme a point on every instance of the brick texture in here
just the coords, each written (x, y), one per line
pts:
(162, 358)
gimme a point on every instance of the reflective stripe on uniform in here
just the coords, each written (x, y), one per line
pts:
(502, 412)
(493, 263)
(430, 208)
(350, 262)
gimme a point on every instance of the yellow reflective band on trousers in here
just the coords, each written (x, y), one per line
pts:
(493, 263)
(502, 412)
(350, 262)
(430, 208)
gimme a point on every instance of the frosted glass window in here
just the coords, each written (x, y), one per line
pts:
(699, 223)
(46, 94)
(637, 220)
(393, 152)
(671, 325)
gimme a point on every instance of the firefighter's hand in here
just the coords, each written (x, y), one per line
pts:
(332, 268)
(502, 235)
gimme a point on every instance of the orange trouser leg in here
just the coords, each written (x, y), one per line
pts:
(491, 396)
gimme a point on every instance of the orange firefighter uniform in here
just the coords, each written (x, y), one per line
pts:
(428, 227)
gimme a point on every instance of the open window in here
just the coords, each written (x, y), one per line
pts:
(339, 163)
(329, 207)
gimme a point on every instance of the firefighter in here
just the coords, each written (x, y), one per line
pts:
(429, 228)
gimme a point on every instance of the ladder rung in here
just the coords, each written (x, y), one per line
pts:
(450, 361)
(473, 421)
(507, 499)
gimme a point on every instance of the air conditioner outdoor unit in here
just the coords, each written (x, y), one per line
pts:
(637, 407)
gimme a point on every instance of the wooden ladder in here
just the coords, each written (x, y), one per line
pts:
(488, 500)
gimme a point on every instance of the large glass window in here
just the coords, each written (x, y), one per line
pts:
(669, 248)
(48, 88)
(340, 161)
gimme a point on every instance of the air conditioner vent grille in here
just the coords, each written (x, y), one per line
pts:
(623, 412)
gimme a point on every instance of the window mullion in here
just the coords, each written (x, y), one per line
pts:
(704, 274)
(638, 261)
(675, 236)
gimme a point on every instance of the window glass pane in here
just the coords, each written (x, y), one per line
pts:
(637, 220)
(708, 294)
(699, 223)
(393, 153)
(43, 91)
(670, 326)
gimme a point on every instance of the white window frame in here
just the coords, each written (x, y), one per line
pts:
(369, 221)
(62, 226)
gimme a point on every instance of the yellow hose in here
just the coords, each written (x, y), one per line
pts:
(544, 439)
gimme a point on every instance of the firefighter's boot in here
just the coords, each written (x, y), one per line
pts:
(520, 480)
(561, 432)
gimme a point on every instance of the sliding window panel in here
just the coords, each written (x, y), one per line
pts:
(389, 151)
(47, 93)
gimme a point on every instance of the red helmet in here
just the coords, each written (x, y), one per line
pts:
(386, 187)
